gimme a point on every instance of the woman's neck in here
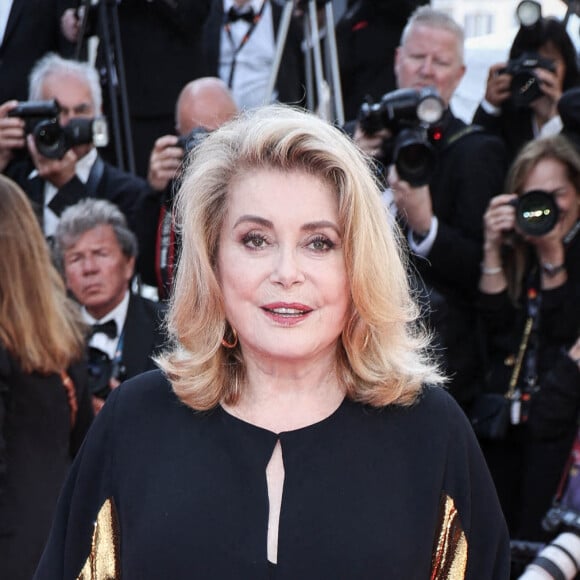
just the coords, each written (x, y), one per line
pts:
(283, 398)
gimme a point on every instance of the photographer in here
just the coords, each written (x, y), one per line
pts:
(529, 288)
(96, 252)
(54, 183)
(202, 106)
(442, 215)
(522, 95)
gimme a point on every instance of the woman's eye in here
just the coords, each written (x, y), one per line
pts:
(321, 244)
(254, 241)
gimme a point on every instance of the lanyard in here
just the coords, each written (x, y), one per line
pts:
(243, 42)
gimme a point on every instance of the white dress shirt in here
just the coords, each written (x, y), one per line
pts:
(5, 6)
(101, 340)
(253, 61)
(82, 170)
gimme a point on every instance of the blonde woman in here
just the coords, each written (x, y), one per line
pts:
(44, 407)
(290, 433)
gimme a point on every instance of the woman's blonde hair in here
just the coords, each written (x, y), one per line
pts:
(39, 325)
(382, 355)
(558, 148)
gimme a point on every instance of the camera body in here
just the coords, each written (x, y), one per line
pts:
(408, 114)
(536, 212)
(192, 139)
(101, 370)
(559, 518)
(525, 85)
(53, 140)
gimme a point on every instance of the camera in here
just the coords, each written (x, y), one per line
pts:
(525, 85)
(407, 114)
(101, 369)
(192, 139)
(536, 212)
(53, 140)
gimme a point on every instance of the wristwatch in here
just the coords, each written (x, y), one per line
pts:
(552, 270)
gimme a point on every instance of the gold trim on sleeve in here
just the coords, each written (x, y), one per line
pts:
(103, 562)
(449, 560)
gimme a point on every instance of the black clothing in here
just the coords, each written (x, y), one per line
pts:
(556, 406)
(143, 335)
(513, 125)
(470, 169)
(37, 445)
(362, 492)
(161, 46)
(32, 30)
(119, 187)
(367, 37)
(517, 462)
(290, 81)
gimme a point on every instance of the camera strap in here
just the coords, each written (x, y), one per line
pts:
(165, 251)
(463, 132)
(520, 392)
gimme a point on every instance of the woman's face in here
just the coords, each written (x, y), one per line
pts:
(550, 175)
(281, 266)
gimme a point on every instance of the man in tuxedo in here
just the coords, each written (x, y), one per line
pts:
(54, 184)
(240, 43)
(96, 252)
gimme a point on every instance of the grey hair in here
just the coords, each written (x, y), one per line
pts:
(86, 215)
(427, 16)
(53, 64)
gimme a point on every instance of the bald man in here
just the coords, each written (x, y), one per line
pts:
(203, 105)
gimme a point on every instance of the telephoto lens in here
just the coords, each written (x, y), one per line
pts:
(536, 212)
(559, 560)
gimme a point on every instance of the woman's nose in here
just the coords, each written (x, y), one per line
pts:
(286, 268)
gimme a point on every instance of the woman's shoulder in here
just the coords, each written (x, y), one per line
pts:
(151, 387)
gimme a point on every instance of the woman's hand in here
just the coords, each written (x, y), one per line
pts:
(498, 88)
(546, 107)
(498, 219)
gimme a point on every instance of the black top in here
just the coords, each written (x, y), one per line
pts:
(363, 492)
(37, 444)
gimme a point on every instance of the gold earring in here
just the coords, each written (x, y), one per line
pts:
(232, 344)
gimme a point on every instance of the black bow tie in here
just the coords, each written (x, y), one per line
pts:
(234, 15)
(109, 328)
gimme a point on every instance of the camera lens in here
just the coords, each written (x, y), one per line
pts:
(49, 139)
(413, 157)
(536, 212)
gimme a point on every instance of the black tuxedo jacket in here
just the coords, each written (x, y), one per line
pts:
(33, 29)
(513, 125)
(119, 187)
(142, 335)
(290, 81)
(161, 45)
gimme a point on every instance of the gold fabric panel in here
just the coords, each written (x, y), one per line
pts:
(103, 562)
(449, 560)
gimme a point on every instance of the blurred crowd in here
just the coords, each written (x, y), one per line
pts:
(101, 104)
